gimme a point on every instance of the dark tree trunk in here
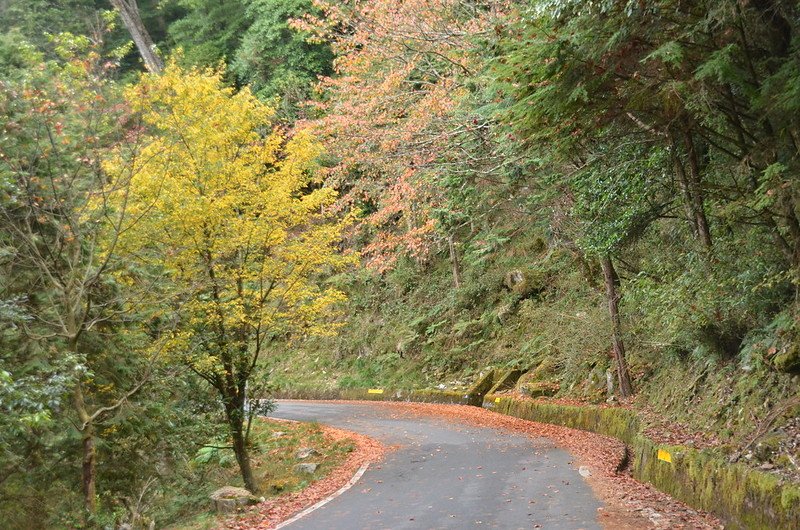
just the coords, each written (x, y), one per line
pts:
(618, 346)
(691, 186)
(696, 188)
(89, 473)
(235, 416)
(454, 261)
(683, 183)
(129, 13)
(89, 459)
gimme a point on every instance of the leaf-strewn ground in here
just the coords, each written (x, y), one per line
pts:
(629, 504)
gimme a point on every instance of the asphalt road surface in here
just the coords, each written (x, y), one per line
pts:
(446, 474)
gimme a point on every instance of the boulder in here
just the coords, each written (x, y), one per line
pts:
(307, 468)
(539, 389)
(514, 279)
(789, 360)
(230, 498)
(305, 452)
(527, 282)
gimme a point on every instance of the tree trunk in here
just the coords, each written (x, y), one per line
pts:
(618, 346)
(89, 462)
(235, 414)
(129, 13)
(89, 474)
(683, 183)
(454, 260)
(696, 188)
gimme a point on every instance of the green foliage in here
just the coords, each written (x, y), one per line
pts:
(618, 194)
(692, 303)
(276, 60)
(210, 31)
(662, 135)
(255, 38)
(36, 19)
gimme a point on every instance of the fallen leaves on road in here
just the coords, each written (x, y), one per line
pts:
(272, 512)
(630, 504)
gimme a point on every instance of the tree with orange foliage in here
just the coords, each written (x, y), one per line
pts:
(393, 114)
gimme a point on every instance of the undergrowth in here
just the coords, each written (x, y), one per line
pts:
(274, 446)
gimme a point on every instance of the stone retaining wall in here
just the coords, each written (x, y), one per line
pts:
(741, 496)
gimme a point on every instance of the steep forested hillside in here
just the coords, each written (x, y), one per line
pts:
(572, 189)
(333, 194)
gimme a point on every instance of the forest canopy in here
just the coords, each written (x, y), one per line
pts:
(203, 204)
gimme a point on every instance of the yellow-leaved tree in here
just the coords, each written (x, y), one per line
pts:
(226, 210)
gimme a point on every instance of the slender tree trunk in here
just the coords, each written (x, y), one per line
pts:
(683, 183)
(696, 188)
(618, 346)
(691, 187)
(454, 260)
(89, 461)
(235, 415)
(129, 13)
(89, 473)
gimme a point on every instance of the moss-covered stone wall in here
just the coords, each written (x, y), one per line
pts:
(741, 496)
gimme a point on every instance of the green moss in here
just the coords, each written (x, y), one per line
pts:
(790, 498)
(788, 361)
(543, 371)
(743, 497)
(540, 389)
(506, 380)
(438, 396)
(480, 388)
(526, 282)
(617, 422)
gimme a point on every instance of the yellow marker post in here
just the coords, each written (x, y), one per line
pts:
(664, 455)
(375, 391)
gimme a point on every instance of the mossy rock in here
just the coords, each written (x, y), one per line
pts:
(480, 388)
(526, 282)
(595, 386)
(544, 371)
(506, 380)
(540, 389)
(788, 361)
(230, 499)
(768, 446)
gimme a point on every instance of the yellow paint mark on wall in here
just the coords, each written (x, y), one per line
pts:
(664, 455)
(375, 391)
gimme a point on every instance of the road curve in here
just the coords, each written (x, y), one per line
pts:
(446, 474)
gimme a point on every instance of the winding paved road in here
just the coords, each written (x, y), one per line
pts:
(448, 475)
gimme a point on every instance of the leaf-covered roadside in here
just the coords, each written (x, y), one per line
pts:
(276, 445)
(629, 504)
(364, 450)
